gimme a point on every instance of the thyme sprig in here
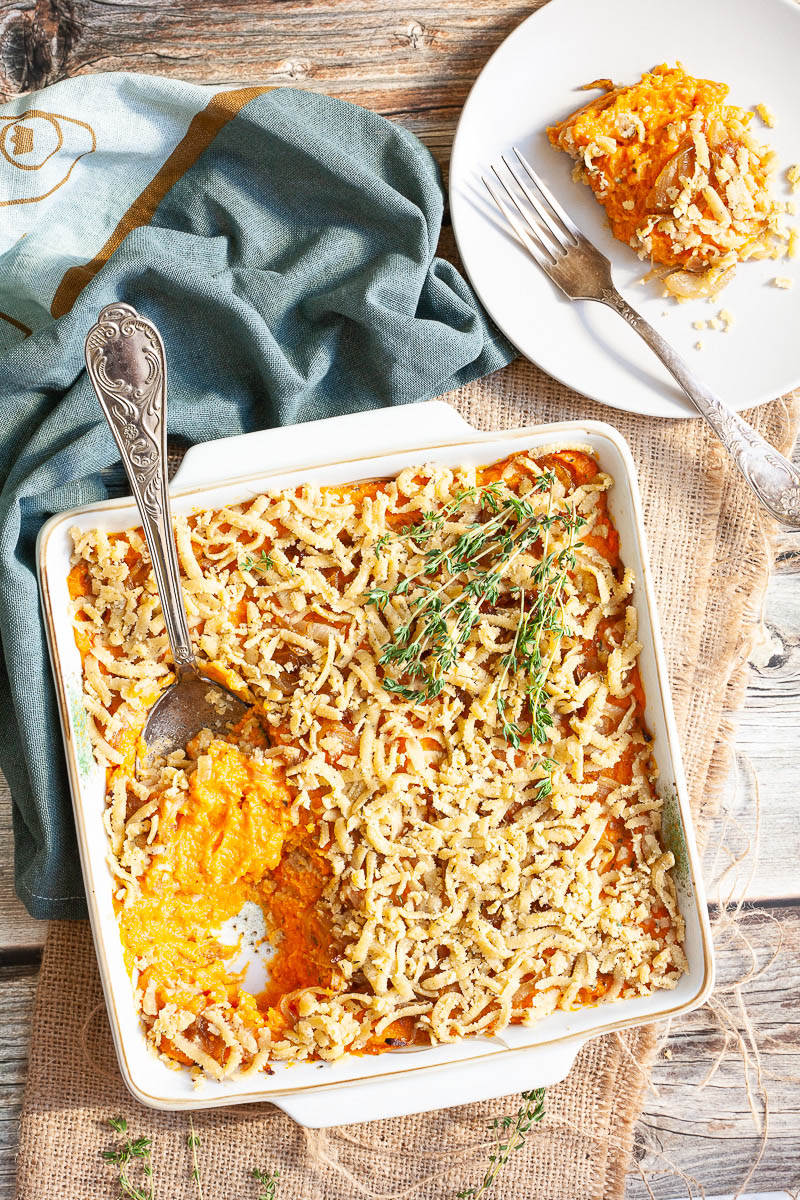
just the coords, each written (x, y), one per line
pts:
(544, 619)
(268, 1181)
(193, 1141)
(456, 587)
(510, 1134)
(125, 1158)
(263, 563)
(132, 1157)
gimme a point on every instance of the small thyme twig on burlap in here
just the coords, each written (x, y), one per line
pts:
(133, 1154)
(193, 1141)
(510, 1134)
(125, 1158)
(268, 1181)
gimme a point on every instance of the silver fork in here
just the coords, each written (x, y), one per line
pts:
(582, 273)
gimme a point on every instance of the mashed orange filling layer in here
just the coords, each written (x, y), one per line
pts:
(230, 842)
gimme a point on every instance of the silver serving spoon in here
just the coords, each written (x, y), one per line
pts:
(126, 364)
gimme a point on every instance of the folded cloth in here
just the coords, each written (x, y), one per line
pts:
(284, 244)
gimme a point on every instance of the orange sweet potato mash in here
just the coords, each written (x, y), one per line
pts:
(230, 842)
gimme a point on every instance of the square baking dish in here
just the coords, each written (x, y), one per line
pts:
(348, 449)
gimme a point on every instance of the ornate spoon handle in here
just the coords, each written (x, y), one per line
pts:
(127, 366)
(771, 477)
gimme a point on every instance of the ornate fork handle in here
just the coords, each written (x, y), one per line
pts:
(770, 476)
(127, 366)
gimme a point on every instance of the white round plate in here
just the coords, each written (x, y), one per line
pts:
(532, 81)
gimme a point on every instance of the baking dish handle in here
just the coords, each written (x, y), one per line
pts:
(314, 443)
(432, 1087)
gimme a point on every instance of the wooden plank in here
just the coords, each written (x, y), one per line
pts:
(17, 987)
(415, 65)
(767, 742)
(18, 931)
(766, 738)
(709, 1131)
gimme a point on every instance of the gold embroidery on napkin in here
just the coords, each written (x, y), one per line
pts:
(17, 324)
(41, 135)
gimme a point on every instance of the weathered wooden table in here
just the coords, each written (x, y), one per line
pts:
(415, 64)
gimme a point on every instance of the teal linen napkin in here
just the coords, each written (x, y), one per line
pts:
(283, 242)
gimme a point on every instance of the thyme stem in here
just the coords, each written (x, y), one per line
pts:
(510, 1135)
(193, 1141)
(125, 1157)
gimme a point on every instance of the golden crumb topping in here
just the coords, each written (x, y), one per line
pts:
(443, 801)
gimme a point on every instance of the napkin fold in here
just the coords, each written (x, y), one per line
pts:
(283, 242)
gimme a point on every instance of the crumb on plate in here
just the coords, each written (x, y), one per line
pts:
(767, 115)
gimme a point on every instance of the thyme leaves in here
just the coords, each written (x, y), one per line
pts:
(268, 1183)
(131, 1158)
(510, 1134)
(460, 581)
(262, 563)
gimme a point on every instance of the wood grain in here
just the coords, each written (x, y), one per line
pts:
(17, 988)
(709, 1130)
(35, 43)
(766, 734)
(19, 932)
(414, 64)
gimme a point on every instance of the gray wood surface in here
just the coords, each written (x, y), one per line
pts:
(17, 989)
(19, 933)
(709, 1132)
(415, 64)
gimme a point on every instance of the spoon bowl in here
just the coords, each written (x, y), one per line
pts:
(193, 702)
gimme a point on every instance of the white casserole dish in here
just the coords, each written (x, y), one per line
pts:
(363, 1088)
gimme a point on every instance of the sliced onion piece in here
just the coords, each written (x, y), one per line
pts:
(607, 85)
(680, 166)
(698, 285)
(596, 106)
(717, 135)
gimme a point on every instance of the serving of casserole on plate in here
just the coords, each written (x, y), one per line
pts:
(682, 177)
(453, 821)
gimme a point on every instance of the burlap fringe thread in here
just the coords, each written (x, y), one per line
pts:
(711, 568)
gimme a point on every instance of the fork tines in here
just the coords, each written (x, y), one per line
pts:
(553, 220)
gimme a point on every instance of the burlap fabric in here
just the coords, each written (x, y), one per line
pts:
(711, 557)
